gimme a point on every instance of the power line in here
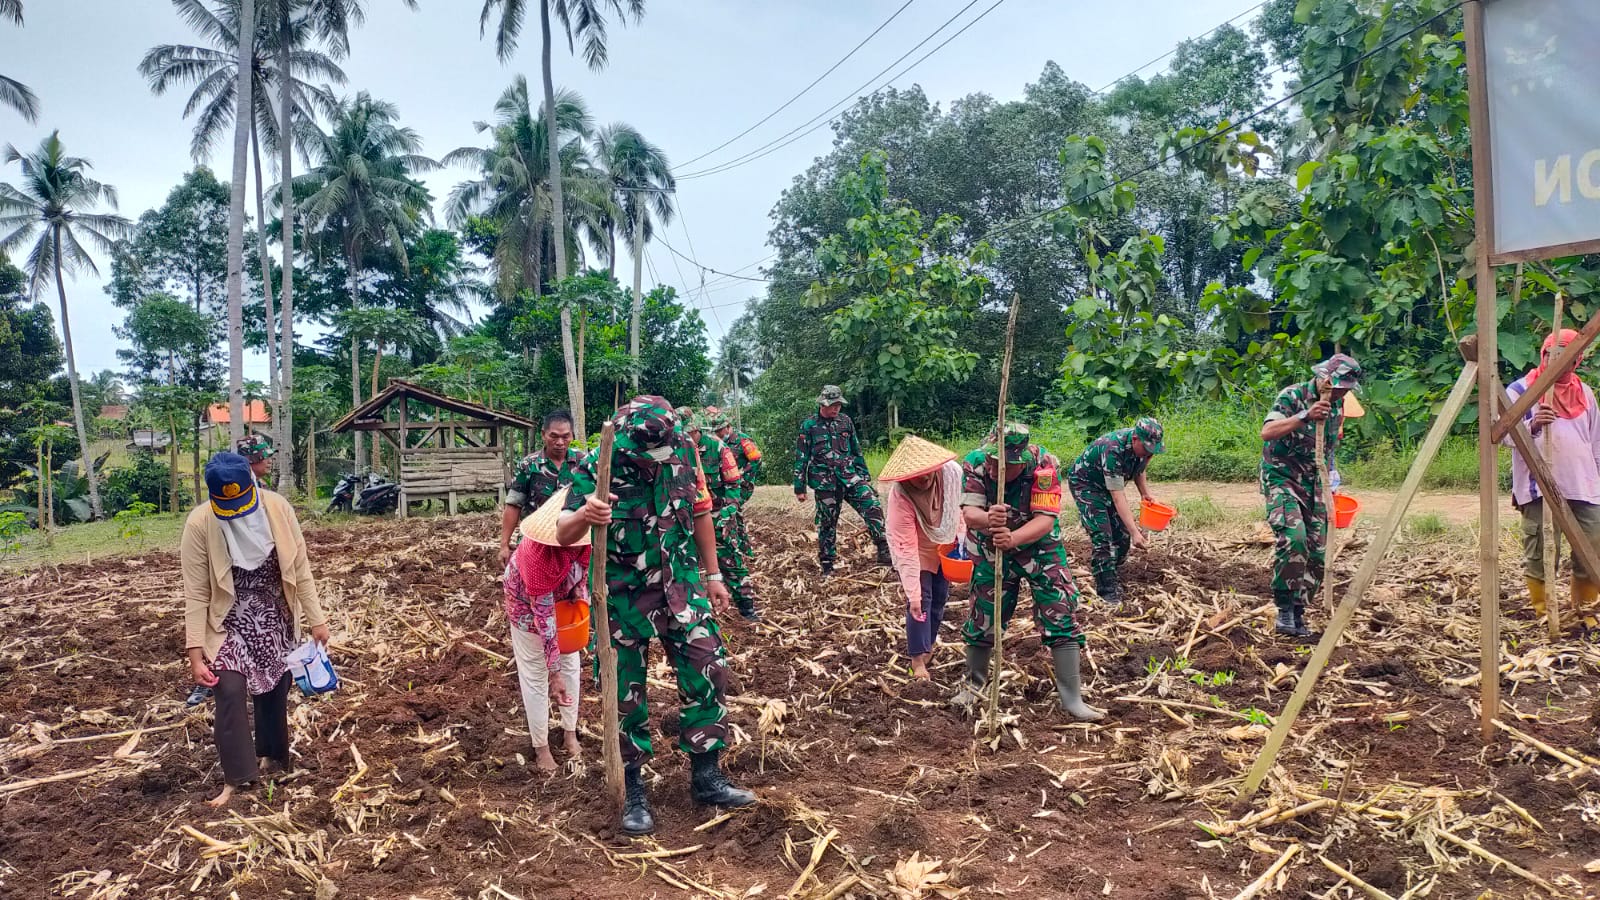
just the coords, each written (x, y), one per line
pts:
(797, 133)
(1212, 136)
(806, 89)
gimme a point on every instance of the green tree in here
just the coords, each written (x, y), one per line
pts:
(362, 195)
(30, 355)
(584, 21)
(897, 295)
(641, 183)
(55, 202)
(171, 353)
(14, 93)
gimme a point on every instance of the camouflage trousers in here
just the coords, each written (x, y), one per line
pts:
(863, 499)
(1044, 565)
(733, 555)
(1300, 531)
(693, 645)
(1108, 536)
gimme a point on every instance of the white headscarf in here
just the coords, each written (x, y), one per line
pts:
(948, 484)
(249, 538)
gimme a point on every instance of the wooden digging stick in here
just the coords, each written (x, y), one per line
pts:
(602, 622)
(1549, 536)
(1326, 487)
(998, 665)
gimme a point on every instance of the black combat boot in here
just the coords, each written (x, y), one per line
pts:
(1109, 589)
(884, 559)
(748, 610)
(636, 816)
(1289, 623)
(971, 693)
(708, 784)
(825, 567)
(1300, 618)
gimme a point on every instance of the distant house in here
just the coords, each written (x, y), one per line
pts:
(114, 411)
(255, 413)
(148, 439)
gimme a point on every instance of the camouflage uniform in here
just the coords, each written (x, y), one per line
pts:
(653, 577)
(828, 460)
(537, 479)
(1103, 467)
(722, 475)
(1043, 563)
(1292, 486)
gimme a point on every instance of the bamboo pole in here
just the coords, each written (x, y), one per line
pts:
(608, 652)
(1488, 321)
(1549, 538)
(1326, 489)
(1363, 578)
(999, 602)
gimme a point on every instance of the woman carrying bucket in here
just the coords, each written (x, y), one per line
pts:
(547, 604)
(1099, 479)
(923, 521)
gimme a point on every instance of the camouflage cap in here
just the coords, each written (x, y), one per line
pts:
(1149, 433)
(717, 418)
(831, 396)
(255, 447)
(643, 424)
(1017, 438)
(1340, 371)
(687, 418)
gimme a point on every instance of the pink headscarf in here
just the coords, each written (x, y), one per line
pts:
(1567, 396)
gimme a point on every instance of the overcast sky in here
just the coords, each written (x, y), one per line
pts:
(693, 74)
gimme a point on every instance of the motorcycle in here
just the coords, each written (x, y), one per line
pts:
(377, 497)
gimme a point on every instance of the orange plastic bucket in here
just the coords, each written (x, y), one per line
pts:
(1344, 510)
(958, 571)
(572, 625)
(1156, 516)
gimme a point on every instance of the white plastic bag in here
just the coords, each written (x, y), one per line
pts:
(312, 670)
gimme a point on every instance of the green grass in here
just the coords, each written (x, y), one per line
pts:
(1222, 442)
(1427, 525)
(94, 540)
(1199, 512)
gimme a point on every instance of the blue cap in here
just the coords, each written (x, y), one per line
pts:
(232, 486)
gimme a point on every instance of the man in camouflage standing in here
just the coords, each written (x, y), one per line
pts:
(663, 583)
(723, 478)
(1292, 484)
(1022, 522)
(1098, 479)
(745, 453)
(538, 476)
(828, 460)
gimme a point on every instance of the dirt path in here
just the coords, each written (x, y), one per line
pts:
(1459, 509)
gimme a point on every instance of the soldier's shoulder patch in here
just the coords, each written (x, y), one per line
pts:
(751, 451)
(1046, 478)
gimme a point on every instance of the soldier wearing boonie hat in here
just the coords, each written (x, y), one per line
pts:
(828, 460)
(1015, 506)
(1098, 479)
(1291, 482)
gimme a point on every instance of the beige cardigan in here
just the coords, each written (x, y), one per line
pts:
(208, 573)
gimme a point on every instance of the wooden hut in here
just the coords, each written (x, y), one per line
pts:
(448, 448)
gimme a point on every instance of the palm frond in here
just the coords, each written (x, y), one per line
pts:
(17, 95)
(11, 9)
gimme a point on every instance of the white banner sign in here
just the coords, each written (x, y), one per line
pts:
(1543, 71)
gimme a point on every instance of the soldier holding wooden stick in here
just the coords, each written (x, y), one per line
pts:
(663, 582)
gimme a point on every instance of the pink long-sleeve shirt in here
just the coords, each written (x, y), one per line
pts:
(1577, 453)
(910, 548)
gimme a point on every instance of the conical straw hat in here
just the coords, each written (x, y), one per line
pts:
(540, 525)
(914, 457)
(1353, 408)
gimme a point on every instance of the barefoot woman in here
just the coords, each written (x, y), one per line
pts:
(246, 579)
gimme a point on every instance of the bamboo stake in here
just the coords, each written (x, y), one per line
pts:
(1548, 536)
(1326, 488)
(608, 653)
(999, 603)
(1362, 580)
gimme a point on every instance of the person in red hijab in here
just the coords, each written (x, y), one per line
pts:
(1570, 419)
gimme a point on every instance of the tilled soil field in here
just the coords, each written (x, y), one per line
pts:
(415, 779)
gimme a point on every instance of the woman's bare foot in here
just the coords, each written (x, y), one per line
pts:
(570, 744)
(544, 760)
(919, 667)
(221, 799)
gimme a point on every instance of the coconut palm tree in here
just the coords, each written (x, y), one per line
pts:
(583, 21)
(14, 93)
(55, 202)
(641, 184)
(332, 21)
(360, 194)
(212, 70)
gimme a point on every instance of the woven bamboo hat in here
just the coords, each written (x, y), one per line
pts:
(540, 525)
(914, 457)
(1352, 407)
